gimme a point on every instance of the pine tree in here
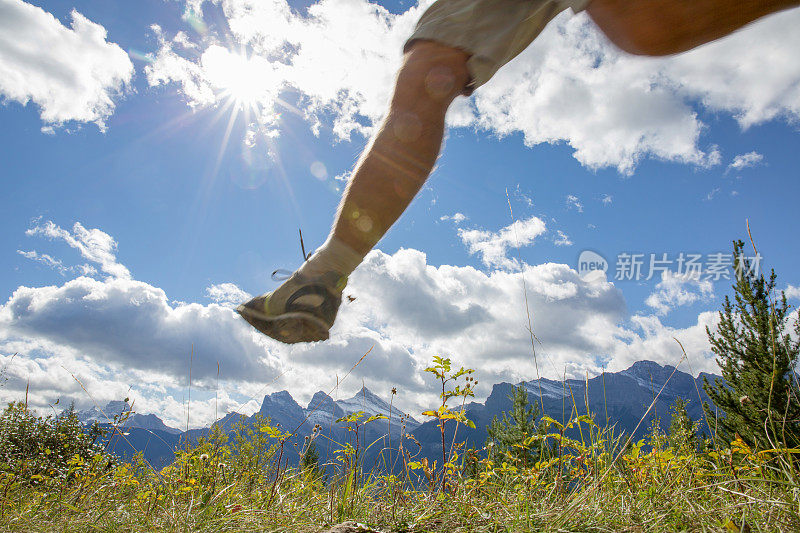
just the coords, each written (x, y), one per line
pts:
(508, 434)
(757, 356)
(309, 461)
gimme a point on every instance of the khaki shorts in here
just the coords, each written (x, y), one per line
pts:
(493, 32)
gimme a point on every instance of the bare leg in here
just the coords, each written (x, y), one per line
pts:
(663, 27)
(387, 177)
(396, 164)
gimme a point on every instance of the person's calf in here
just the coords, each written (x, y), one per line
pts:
(401, 155)
(664, 27)
(389, 174)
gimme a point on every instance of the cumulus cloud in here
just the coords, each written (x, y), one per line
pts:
(614, 109)
(607, 199)
(493, 246)
(480, 319)
(227, 294)
(792, 292)
(72, 74)
(128, 322)
(122, 337)
(459, 311)
(51, 372)
(648, 335)
(750, 159)
(169, 67)
(677, 290)
(752, 74)
(93, 244)
(570, 86)
(176, 411)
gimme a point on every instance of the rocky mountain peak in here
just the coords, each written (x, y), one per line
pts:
(279, 400)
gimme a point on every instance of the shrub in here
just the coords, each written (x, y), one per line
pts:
(33, 448)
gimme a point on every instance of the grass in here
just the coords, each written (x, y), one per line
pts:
(244, 482)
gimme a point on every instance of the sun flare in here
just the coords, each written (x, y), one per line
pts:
(248, 81)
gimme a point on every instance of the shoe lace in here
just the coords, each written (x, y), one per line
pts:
(281, 274)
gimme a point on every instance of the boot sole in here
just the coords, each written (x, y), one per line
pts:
(288, 328)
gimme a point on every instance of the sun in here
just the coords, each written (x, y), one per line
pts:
(248, 81)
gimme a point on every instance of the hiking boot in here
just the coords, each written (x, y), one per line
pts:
(301, 310)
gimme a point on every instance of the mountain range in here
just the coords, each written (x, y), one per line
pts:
(618, 399)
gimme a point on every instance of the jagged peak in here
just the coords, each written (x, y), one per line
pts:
(117, 407)
(649, 370)
(280, 398)
(364, 395)
(365, 392)
(320, 395)
(320, 400)
(111, 409)
(646, 364)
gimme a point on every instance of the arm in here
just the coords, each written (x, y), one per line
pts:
(663, 27)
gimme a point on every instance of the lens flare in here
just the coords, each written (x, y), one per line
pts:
(195, 20)
(318, 170)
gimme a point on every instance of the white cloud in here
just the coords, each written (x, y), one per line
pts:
(607, 199)
(574, 203)
(614, 109)
(457, 218)
(95, 245)
(712, 193)
(342, 61)
(570, 86)
(123, 337)
(562, 239)
(72, 74)
(678, 289)
(792, 292)
(458, 311)
(519, 195)
(57, 264)
(750, 159)
(128, 322)
(752, 74)
(647, 335)
(51, 372)
(227, 294)
(493, 246)
(169, 67)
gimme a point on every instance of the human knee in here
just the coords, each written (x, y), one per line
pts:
(432, 75)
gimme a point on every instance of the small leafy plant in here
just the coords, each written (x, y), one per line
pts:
(442, 370)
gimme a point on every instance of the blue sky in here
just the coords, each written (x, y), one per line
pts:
(164, 167)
